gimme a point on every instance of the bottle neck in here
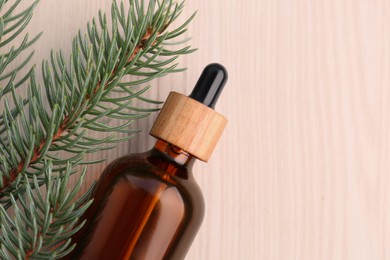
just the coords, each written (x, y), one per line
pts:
(174, 153)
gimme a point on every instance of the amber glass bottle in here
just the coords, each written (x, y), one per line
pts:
(148, 206)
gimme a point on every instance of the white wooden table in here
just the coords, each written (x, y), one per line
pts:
(302, 171)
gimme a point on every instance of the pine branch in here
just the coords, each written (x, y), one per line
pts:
(75, 101)
(64, 126)
(78, 94)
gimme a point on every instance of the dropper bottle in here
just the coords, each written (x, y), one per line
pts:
(148, 206)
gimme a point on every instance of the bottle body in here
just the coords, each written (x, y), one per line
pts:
(146, 206)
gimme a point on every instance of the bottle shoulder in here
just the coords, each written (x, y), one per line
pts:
(149, 171)
(147, 162)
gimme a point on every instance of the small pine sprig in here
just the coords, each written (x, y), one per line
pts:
(11, 25)
(42, 223)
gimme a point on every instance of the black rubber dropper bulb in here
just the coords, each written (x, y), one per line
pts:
(210, 85)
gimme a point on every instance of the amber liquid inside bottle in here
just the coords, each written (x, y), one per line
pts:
(146, 206)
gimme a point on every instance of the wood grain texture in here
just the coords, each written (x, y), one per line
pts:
(302, 172)
(190, 125)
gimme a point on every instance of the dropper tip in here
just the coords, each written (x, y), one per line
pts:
(210, 84)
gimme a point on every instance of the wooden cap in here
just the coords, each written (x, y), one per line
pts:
(189, 125)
